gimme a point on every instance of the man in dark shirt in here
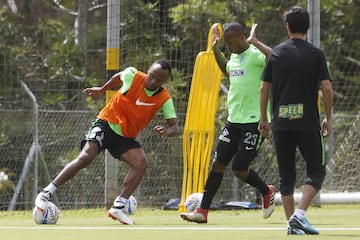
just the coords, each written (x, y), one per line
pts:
(295, 71)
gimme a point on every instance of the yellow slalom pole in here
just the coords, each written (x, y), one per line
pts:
(199, 125)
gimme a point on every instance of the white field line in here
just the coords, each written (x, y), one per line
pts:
(134, 228)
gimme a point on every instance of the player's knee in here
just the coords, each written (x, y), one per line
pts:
(242, 175)
(287, 185)
(140, 164)
(315, 181)
(241, 163)
(218, 166)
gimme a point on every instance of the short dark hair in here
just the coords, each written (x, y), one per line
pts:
(164, 65)
(298, 19)
(235, 27)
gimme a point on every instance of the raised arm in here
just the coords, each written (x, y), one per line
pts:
(266, 50)
(113, 82)
(219, 57)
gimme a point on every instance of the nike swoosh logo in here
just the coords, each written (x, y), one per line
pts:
(140, 103)
(249, 148)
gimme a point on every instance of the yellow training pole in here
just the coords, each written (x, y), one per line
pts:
(199, 126)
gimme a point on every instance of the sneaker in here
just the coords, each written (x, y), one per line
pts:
(198, 216)
(302, 224)
(42, 199)
(120, 214)
(295, 231)
(268, 202)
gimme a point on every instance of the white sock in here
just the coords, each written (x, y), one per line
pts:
(299, 213)
(120, 201)
(51, 188)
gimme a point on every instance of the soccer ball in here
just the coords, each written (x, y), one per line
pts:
(50, 216)
(132, 205)
(193, 201)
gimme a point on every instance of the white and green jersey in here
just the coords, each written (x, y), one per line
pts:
(245, 70)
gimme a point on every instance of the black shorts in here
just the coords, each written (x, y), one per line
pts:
(238, 141)
(311, 147)
(101, 133)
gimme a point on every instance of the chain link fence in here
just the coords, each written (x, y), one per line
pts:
(37, 144)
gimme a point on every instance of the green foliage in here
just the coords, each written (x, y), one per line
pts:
(191, 21)
(178, 89)
(194, 18)
(140, 46)
(268, 15)
(342, 38)
(45, 54)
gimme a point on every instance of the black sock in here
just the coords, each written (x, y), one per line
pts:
(211, 187)
(254, 180)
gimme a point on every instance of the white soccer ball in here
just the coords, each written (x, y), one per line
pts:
(131, 205)
(193, 201)
(50, 216)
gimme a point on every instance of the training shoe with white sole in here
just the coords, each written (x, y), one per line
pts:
(268, 202)
(42, 199)
(120, 214)
(295, 231)
(302, 224)
(198, 216)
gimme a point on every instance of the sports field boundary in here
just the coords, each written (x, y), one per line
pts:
(134, 228)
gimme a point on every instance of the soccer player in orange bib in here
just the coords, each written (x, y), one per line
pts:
(116, 127)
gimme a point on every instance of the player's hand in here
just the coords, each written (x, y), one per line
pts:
(252, 35)
(326, 127)
(160, 130)
(264, 128)
(215, 38)
(94, 91)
